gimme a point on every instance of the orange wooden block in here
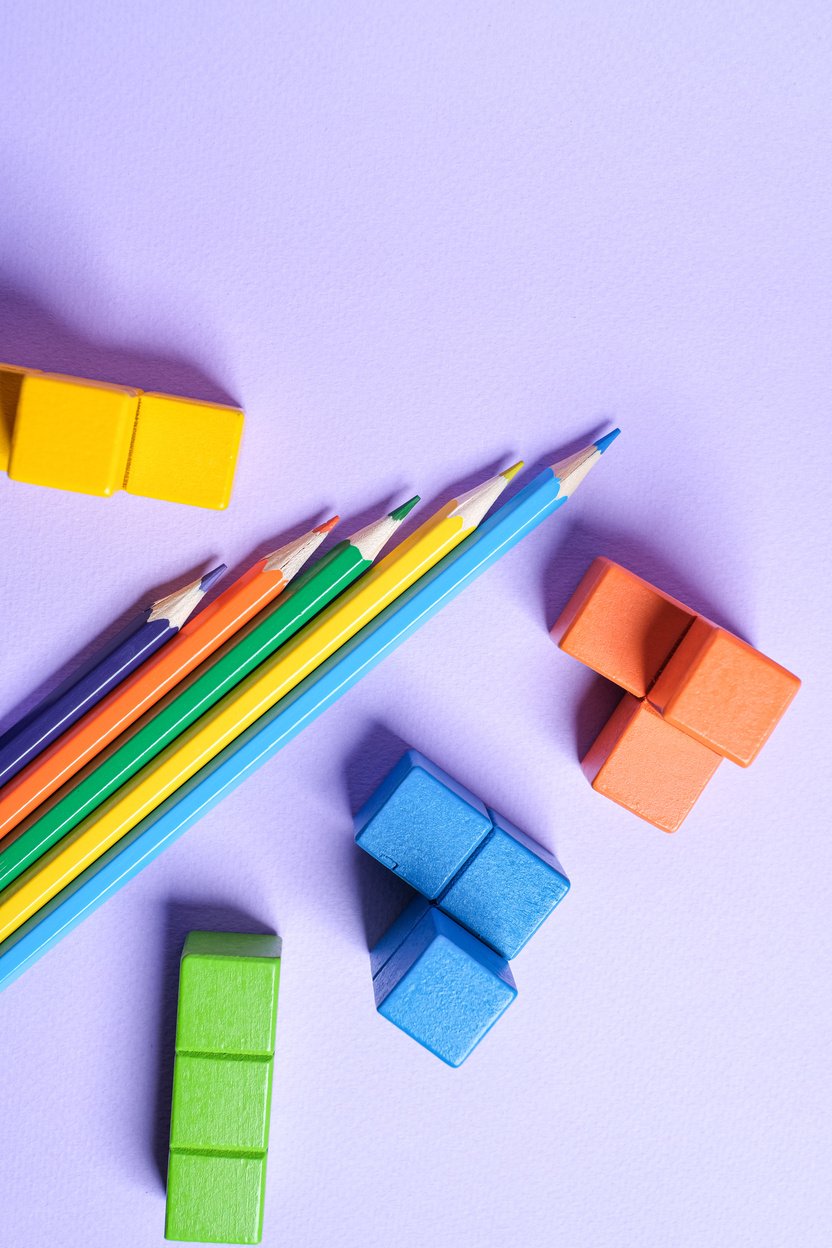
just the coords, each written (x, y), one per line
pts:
(723, 692)
(621, 626)
(646, 765)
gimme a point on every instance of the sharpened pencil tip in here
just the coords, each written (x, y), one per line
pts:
(508, 473)
(602, 443)
(405, 509)
(211, 578)
(328, 525)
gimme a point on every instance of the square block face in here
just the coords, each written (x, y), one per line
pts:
(648, 766)
(506, 889)
(444, 988)
(421, 824)
(621, 626)
(184, 451)
(228, 1000)
(11, 380)
(723, 692)
(221, 1103)
(215, 1200)
(72, 434)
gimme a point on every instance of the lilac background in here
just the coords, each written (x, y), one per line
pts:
(413, 240)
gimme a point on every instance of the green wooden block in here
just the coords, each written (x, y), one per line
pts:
(228, 994)
(214, 1199)
(221, 1103)
(222, 1084)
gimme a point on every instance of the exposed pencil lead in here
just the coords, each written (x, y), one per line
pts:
(405, 509)
(571, 471)
(473, 504)
(289, 559)
(602, 443)
(210, 578)
(370, 540)
(178, 606)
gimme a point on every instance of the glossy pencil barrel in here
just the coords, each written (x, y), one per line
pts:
(310, 594)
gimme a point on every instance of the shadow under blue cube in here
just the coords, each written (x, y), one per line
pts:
(505, 890)
(438, 983)
(421, 824)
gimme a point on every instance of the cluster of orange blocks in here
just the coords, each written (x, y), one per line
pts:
(695, 693)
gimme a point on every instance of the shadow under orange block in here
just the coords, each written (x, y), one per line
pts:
(647, 765)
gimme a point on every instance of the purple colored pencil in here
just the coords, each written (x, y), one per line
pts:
(156, 625)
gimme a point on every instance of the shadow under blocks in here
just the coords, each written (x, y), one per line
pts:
(482, 889)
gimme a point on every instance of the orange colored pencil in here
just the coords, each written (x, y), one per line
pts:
(200, 637)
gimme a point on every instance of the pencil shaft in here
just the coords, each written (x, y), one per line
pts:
(124, 860)
(237, 710)
(309, 595)
(57, 716)
(200, 637)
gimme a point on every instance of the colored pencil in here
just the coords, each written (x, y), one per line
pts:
(196, 641)
(156, 625)
(548, 491)
(306, 597)
(272, 680)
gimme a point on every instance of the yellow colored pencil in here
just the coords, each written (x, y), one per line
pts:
(240, 708)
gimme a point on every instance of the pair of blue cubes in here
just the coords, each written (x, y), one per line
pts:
(441, 972)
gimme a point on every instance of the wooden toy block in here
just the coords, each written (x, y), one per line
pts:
(222, 1082)
(221, 1103)
(723, 692)
(421, 824)
(443, 987)
(396, 933)
(184, 451)
(95, 438)
(11, 380)
(228, 988)
(72, 434)
(506, 889)
(621, 626)
(219, 1200)
(647, 765)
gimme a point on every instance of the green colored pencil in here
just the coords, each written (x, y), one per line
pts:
(304, 598)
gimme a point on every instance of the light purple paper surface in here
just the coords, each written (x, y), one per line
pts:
(414, 242)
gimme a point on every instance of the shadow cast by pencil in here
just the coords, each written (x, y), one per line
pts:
(468, 482)
(182, 917)
(382, 895)
(566, 449)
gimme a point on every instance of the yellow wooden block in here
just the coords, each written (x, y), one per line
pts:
(72, 434)
(11, 379)
(184, 450)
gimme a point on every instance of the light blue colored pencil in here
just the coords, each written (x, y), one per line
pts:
(544, 494)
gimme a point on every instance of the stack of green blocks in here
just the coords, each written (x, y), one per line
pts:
(222, 1087)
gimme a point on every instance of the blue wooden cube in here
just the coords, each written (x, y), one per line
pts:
(440, 985)
(421, 824)
(508, 886)
(386, 946)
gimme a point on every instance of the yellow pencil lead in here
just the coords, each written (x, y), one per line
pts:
(508, 473)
